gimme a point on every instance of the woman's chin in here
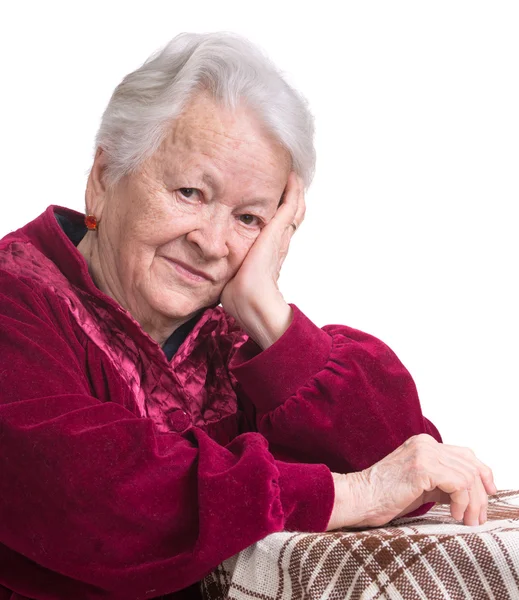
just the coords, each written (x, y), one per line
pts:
(178, 306)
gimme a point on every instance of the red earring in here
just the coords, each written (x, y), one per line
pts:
(91, 222)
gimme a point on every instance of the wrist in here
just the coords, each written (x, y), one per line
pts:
(266, 321)
(352, 500)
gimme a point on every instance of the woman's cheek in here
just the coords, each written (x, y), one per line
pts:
(246, 236)
(243, 243)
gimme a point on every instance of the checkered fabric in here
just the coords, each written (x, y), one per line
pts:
(430, 557)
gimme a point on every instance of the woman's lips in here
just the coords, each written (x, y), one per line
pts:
(187, 272)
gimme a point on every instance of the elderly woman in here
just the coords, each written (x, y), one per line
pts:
(148, 433)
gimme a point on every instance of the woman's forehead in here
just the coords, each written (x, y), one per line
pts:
(206, 131)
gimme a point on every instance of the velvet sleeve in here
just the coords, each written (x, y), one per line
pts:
(334, 395)
(96, 503)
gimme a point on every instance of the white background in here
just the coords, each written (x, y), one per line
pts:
(411, 228)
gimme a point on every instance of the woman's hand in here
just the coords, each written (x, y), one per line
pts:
(421, 470)
(252, 296)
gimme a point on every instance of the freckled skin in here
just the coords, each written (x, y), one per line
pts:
(146, 218)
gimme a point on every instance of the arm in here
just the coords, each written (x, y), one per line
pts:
(340, 397)
(336, 395)
(348, 399)
(94, 501)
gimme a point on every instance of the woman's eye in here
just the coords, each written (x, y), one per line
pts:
(248, 219)
(187, 192)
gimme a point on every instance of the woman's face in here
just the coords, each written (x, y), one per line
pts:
(197, 204)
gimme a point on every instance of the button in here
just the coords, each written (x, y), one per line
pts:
(179, 420)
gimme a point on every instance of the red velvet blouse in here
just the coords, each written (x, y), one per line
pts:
(125, 475)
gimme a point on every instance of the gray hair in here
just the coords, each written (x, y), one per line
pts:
(228, 66)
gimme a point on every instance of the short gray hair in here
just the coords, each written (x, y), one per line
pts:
(232, 69)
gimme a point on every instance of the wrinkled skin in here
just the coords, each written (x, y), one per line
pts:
(419, 471)
(208, 197)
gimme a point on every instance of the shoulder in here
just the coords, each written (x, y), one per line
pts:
(35, 296)
(39, 258)
(25, 271)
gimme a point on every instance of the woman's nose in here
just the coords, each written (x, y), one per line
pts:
(211, 237)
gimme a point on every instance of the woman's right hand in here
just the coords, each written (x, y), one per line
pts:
(421, 470)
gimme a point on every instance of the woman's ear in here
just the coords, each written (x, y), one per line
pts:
(96, 190)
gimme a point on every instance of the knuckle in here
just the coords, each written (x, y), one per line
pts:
(470, 480)
(486, 472)
(468, 452)
(465, 482)
(419, 439)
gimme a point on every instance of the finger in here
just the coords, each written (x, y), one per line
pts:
(483, 513)
(456, 505)
(291, 211)
(463, 475)
(487, 477)
(482, 517)
(485, 472)
(287, 210)
(454, 485)
(477, 497)
(464, 459)
(476, 493)
(301, 205)
(455, 480)
(459, 503)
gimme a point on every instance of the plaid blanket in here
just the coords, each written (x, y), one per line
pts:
(430, 557)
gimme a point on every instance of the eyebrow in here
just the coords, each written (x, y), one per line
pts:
(211, 181)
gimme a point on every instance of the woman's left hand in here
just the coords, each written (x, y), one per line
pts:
(252, 296)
